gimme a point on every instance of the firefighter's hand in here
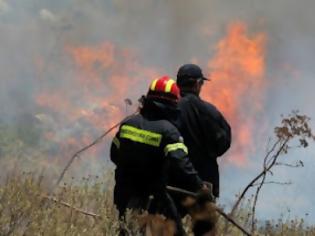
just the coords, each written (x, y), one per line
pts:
(204, 188)
(205, 193)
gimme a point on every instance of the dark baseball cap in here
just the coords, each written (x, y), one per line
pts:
(188, 73)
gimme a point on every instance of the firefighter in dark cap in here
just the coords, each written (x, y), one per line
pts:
(206, 132)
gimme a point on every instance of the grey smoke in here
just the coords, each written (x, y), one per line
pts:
(163, 34)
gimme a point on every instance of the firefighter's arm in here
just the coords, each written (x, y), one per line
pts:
(176, 151)
(227, 135)
(218, 128)
(184, 169)
(114, 149)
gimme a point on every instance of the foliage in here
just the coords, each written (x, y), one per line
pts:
(25, 211)
(293, 128)
(84, 206)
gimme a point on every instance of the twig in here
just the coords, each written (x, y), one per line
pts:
(231, 220)
(220, 211)
(75, 155)
(267, 159)
(264, 175)
(251, 183)
(273, 182)
(72, 207)
(255, 202)
(298, 164)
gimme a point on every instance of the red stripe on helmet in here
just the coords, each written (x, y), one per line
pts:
(161, 83)
(164, 88)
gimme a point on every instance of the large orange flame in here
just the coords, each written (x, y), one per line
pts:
(237, 86)
(105, 75)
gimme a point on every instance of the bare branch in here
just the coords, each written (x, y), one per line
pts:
(75, 155)
(231, 220)
(255, 202)
(293, 126)
(261, 174)
(71, 207)
(266, 160)
(298, 164)
(273, 182)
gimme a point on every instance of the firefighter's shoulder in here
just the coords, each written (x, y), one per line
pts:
(160, 126)
(131, 119)
(171, 132)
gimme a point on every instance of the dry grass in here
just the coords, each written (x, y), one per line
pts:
(24, 211)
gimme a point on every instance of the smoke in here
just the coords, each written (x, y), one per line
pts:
(66, 49)
(47, 15)
(4, 7)
(238, 89)
(66, 67)
(67, 58)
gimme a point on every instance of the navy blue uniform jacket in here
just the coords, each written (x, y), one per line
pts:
(206, 134)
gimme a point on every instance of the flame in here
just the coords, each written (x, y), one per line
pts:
(93, 98)
(237, 86)
(92, 61)
(103, 76)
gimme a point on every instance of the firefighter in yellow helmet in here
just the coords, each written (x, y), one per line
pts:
(145, 149)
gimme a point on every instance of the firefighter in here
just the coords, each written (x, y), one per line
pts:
(145, 149)
(205, 131)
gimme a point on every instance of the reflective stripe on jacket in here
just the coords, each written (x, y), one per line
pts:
(145, 150)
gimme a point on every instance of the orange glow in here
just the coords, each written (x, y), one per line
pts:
(237, 86)
(92, 61)
(92, 99)
(102, 76)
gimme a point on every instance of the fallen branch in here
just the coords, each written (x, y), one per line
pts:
(220, 211)
(71, 207)
(75, 155)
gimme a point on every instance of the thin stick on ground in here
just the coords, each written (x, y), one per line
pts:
(71, 207)
(220, 211)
